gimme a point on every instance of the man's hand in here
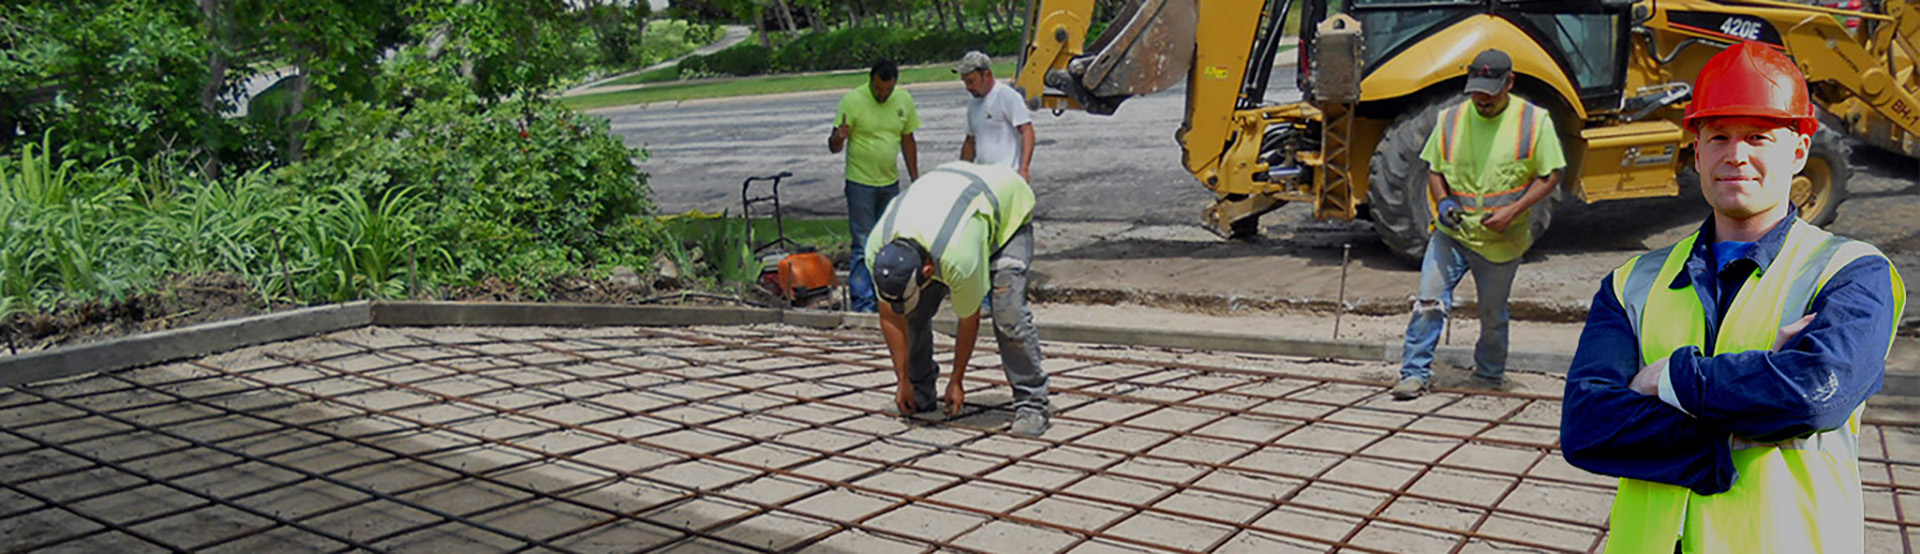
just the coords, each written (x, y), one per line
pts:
(845, 130)
(1501, 217)
(1025, 175)
(956, 398)
(903, 399)
(1647, 382)
(1787, 333)
(1450, 212)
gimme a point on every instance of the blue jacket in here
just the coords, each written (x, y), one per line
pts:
(1608, 429)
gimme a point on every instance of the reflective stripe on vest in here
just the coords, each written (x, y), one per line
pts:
(1523, 129)
(1801, 495)
(976, 187)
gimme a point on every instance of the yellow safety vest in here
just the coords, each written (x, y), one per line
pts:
(1798, 496)
(1500, 180)
(961, 213)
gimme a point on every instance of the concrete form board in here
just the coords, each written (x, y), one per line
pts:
(164, 346)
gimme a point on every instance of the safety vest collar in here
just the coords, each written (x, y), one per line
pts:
(1763, 253)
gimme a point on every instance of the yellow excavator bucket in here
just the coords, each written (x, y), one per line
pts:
(1148, 49)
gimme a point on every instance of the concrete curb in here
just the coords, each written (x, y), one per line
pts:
(212, 338)
(179, 344)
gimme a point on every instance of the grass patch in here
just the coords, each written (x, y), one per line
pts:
(771, 84)
(662, 75)
(825, 234)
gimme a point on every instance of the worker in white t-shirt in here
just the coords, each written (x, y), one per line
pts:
(999, 128)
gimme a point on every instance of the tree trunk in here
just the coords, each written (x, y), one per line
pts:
(296, 122)
(853, 13)
(959, 16)
(943, 15)
(786, 15)
(220, 31)
(760, 24)
(813, 21)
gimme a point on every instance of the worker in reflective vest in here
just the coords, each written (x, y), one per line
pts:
(1722, 379)
(964, 229)
(1491, 159)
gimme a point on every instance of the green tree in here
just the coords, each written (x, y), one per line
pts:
(109, 78)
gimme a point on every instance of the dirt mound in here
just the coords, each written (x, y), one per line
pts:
(179, 301)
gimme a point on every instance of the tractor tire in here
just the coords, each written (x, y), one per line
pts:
(1402, 210)
(1820, 188)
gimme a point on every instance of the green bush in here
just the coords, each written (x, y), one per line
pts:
(105, 232)
(851, 48)
(525, 190)
(741, 59)
(842, 49)
(700, 34)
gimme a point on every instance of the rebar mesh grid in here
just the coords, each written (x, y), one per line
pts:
(767, 438)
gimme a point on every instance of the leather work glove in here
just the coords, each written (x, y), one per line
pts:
(1451, 213)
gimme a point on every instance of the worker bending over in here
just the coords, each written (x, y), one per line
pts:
(962, 229)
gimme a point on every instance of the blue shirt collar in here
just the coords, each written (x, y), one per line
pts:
(1700, 260)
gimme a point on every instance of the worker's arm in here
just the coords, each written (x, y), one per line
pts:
(1609, 429)
(969, 331)
(1026, 152)
(1437, 186)
(1014, 109)
(1537, 190)
(966, 149)
(910, 149)
(837, 137)
(893, 327)
(1813, 381)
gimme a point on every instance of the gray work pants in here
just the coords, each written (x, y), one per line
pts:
(1012, 328)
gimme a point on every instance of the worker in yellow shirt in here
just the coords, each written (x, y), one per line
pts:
(875, 126)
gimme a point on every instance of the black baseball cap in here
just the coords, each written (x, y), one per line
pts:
(896, 273)
(1489, 71)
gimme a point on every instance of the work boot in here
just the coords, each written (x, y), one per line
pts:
(1409, 388)
(1032, 423)
(1491, 383)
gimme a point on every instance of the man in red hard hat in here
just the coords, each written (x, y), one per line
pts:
(1722, 378)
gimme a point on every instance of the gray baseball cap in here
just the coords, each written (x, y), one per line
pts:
(1489, 71)
(973, 61)
(896, 274)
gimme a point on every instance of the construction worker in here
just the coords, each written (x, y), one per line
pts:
(963, 229)
(875, 126)
(1722, 378)
(999, 128)
(1491, 159)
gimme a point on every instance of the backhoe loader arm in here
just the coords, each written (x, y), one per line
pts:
(1056, 29)
(1149, 48)
(1826, 51)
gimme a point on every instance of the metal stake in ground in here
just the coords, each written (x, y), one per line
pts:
(1346, 254)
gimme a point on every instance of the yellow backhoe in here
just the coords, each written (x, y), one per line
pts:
(1616, 74)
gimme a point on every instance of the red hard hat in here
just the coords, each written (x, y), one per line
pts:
(1751, 79)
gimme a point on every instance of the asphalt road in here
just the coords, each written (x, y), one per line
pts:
(699, 152)
(1100, 178)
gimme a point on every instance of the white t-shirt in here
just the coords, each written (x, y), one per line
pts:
(994, 123)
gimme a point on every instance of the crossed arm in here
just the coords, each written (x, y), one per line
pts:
(1811, 383)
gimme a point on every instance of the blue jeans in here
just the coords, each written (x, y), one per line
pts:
(1446, 263)
(865, 203)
